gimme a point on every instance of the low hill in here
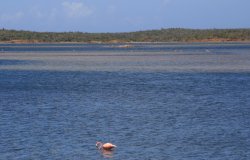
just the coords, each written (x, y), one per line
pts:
(163, 35)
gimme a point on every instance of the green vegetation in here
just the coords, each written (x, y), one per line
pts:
(163, 35)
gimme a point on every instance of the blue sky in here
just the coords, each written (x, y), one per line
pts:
(122, 15)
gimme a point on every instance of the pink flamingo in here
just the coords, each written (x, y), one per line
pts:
(105, 146)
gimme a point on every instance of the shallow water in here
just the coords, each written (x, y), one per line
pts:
(52, 107)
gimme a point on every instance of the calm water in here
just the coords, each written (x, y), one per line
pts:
(170, 102)
(145, 47)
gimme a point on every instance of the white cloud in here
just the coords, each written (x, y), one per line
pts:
(76, 9)
(53, 13)
(37, 13)
(111, 9)
(166, 2)
(11, 17)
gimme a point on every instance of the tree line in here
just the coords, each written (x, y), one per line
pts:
(162, 35)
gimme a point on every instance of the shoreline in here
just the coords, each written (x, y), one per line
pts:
(170, 35)
(170, 42)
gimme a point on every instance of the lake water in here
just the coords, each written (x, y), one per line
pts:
(154, 101)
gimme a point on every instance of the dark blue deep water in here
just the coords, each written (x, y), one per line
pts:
(148, 115)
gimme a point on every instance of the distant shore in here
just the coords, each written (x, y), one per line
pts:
(173, 35)
(194, 41)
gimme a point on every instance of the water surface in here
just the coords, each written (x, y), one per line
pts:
(186, 104)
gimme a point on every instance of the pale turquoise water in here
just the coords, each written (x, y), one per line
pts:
(152, 105)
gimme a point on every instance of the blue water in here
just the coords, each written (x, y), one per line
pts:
(46, 114)
(145, 47)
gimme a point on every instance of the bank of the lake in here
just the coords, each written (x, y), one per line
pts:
(163, 35)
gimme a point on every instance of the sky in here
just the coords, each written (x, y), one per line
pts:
(122, 15)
